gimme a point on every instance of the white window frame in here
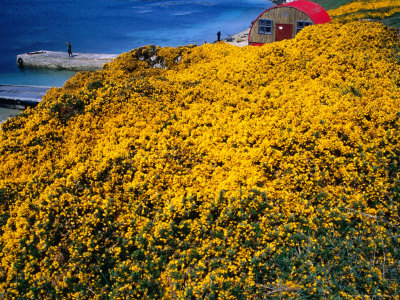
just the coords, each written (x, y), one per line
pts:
(300, 26)
(265, 26)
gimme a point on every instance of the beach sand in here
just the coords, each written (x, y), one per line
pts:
(239, 39)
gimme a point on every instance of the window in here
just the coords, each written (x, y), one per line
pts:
(264, 26)
(301, 25)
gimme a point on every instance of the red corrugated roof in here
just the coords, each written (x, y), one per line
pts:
(313, 10)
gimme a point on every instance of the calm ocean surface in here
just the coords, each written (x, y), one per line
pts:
(109, 26)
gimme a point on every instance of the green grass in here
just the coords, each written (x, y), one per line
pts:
(331, 4)
(393, 21)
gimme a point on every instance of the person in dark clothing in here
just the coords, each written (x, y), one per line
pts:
(219, 36)
(69, 49)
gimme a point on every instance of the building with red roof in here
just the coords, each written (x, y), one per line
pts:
(285, 21)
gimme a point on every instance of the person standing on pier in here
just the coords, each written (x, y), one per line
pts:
(69, 49)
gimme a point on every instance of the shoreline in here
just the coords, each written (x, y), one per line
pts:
(6, 113)
(239, 39)
(57, 60)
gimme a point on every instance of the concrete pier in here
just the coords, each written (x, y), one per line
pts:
(21, 96)
(60, 60)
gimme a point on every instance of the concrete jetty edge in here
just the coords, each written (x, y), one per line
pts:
(60, 60)
(21, 96)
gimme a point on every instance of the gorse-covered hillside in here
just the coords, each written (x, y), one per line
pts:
(339, 8)
(230, 173)
(386, 11)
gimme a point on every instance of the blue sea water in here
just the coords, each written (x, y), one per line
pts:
(110, 26)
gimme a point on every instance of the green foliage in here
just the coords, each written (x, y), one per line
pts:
(332, 4)
(229, 173)
(94, 85)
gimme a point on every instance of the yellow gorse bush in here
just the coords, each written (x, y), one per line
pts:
(366, 9)
(211, 172)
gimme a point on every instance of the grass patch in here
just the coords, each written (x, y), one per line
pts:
(332, 4)
(393, 21)
(371, 14)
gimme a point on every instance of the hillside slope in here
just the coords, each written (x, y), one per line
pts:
(234, 172)
(384, 11)
(332, 4)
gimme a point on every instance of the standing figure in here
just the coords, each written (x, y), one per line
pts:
(69, 49)
(219, 36)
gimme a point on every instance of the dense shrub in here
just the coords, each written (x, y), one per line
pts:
(230, 172)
